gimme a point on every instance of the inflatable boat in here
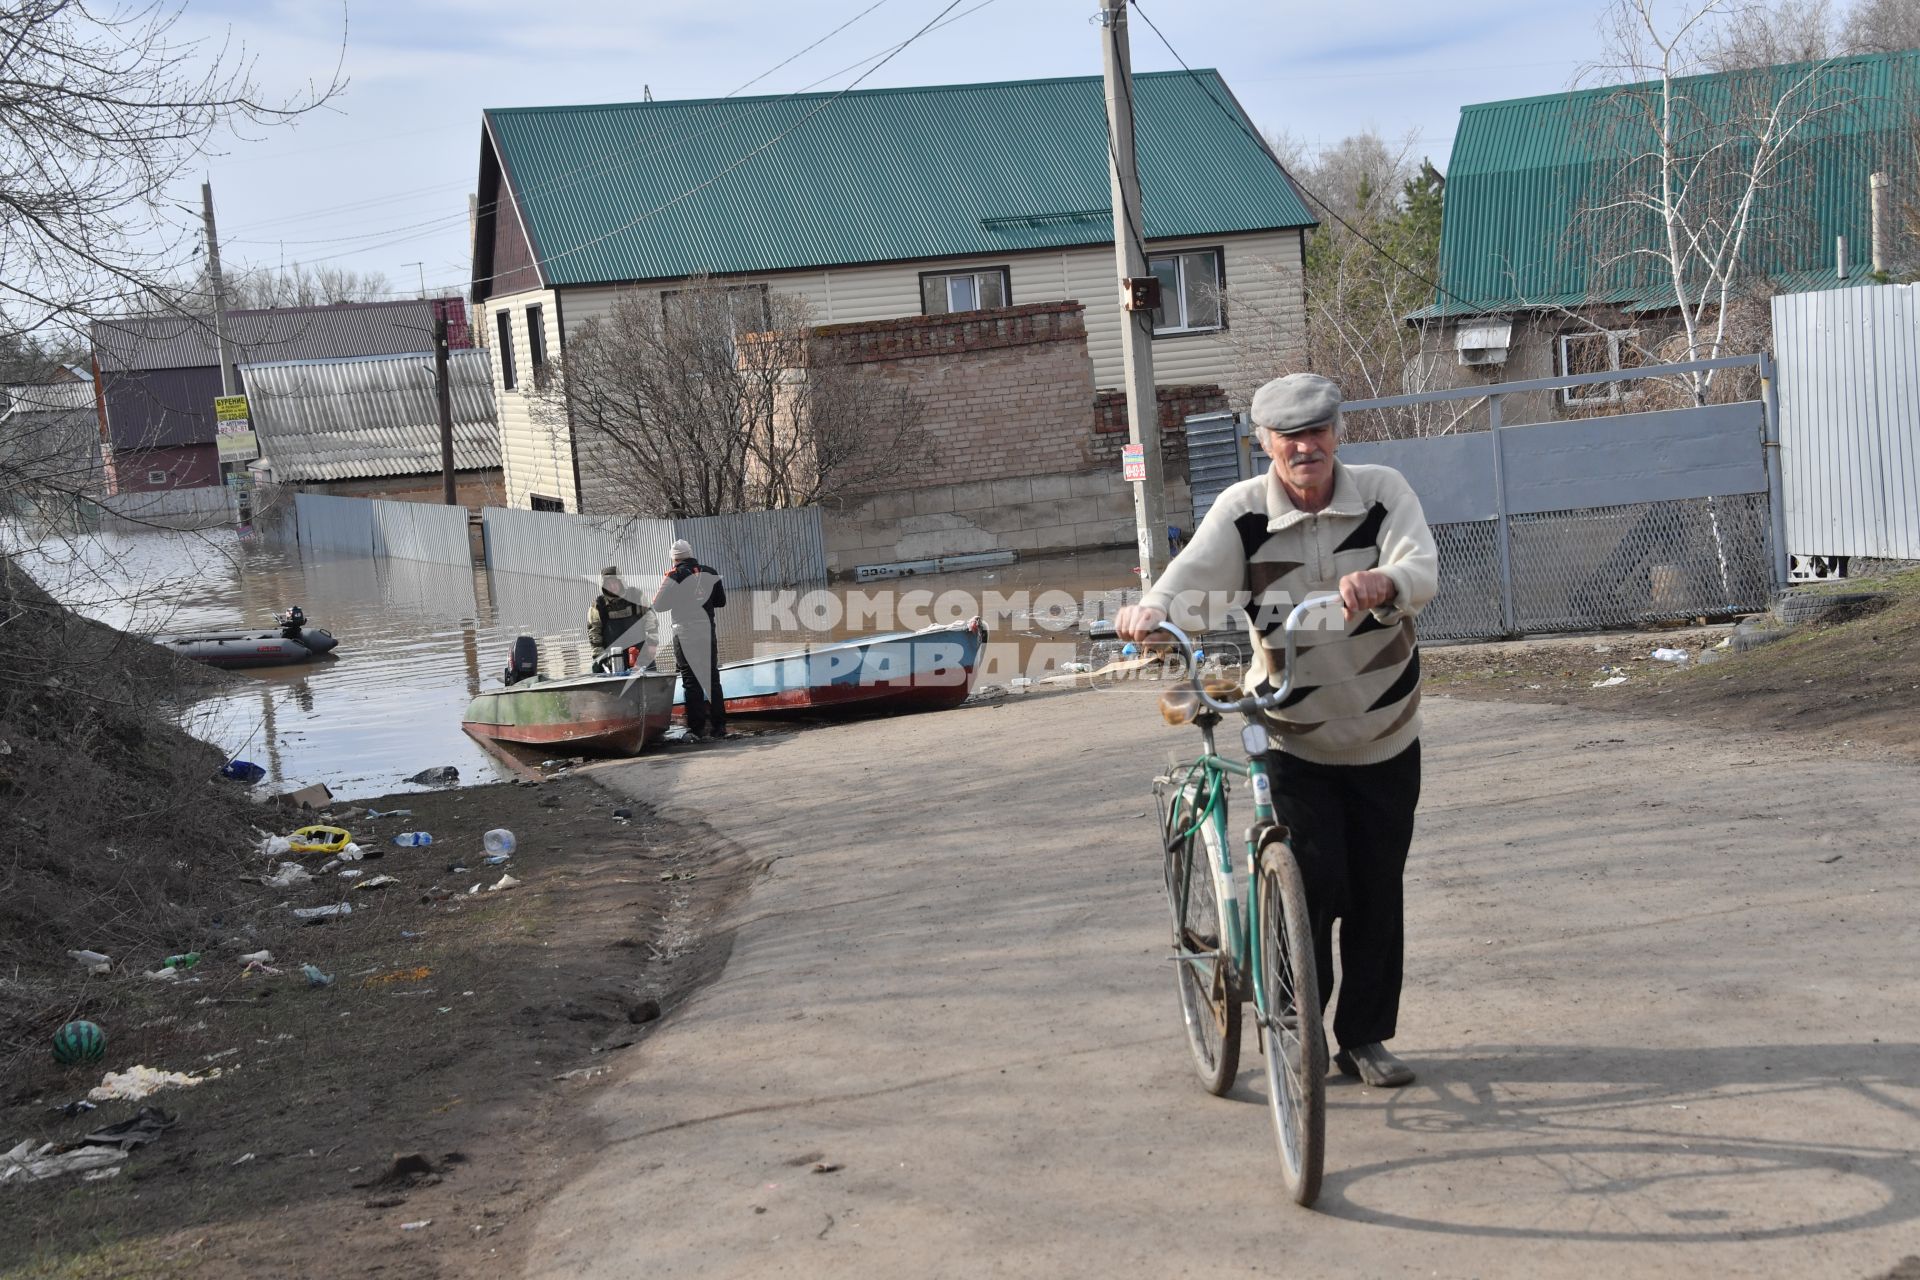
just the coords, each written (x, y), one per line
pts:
(291, 641)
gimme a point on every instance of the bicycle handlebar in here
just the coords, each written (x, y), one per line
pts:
(1256, 702)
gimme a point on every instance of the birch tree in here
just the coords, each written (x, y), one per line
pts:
(1696, 189)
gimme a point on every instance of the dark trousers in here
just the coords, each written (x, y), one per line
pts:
(1352, 825)
(700, 680)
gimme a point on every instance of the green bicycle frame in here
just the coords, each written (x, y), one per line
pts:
(1238, 924)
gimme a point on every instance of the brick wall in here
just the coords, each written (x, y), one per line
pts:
(1005, 394)
(1177, 404)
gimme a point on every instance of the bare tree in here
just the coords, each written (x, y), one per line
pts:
(1765, 35)
(1690, 205)
(298, 285)
(1881, 26)
(709, 400)
(102, 113)
(1369, 265)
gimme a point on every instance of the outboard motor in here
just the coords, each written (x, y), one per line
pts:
(524, 662)
(290, 621)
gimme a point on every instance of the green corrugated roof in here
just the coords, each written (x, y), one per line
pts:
(875, 175)
(1522, 170)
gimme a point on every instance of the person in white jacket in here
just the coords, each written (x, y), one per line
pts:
(689, 594)
(1347, 767)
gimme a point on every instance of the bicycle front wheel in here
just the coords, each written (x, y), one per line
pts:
(1209, 1005)
(1294, 1039)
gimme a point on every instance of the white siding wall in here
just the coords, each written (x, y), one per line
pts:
(1263, 272)
(533, 457)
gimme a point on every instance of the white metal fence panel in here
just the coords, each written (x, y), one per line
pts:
(200, 508)
(1849, 374)
(431, 533)
(760, 548)
(327, 523)
(560, 544)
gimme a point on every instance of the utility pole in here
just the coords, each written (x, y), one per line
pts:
(1137, 296)
(444, 393)
(229, 376)
(229, 379)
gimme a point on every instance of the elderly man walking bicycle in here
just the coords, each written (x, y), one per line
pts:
(1347, 767)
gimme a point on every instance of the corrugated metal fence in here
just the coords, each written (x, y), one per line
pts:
(421, 531)
(750, 549)
(201, 508)
(1849, 377)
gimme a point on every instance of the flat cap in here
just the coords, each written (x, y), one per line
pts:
(1296, 402)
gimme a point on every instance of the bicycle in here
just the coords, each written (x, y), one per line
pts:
(1216, 964)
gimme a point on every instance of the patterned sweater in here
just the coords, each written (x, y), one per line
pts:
(1356, 697)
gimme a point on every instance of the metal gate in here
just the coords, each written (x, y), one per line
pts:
(1214, 458)
(1595, 522)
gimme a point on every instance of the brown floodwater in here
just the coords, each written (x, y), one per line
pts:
(417, 641)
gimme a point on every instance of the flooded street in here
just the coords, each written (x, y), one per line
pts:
(417, 641)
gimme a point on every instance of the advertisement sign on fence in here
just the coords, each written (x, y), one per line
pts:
(1133, 462)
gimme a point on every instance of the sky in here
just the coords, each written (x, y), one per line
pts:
(378, 181)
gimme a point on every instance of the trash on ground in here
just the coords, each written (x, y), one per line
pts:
(417, 1226)
(623, 812)
(314, 796)
(242, 771)
(825, 1166)
(351, 872)
(185, 960)
(245, 1159)
(315, 978)
(390, 813)
(147, 1125)
(314, 915)
(319, 839)
(378, 882)
(1609, 682)
(499, 840)
(257, 957)
(136, 1083)
(26, 1164)
(428, 777)
(74, 1108)
(354, 853)
(164, 975)
(583, 1073)
(412, 839)
(92, 961)
(288, 875)
(275, 846)
(79, 1041)
(504, 882)
(1671, 655)
(417, 974)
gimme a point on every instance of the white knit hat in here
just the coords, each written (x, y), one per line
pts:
(682, 550)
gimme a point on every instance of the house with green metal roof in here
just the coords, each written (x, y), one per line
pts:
(873, 205)
(1554, 256)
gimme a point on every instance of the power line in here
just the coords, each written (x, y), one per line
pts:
(581, 172)
(1240, 123)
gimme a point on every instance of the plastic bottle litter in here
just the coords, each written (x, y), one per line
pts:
(499, 840)
(185, 960)
(1671, 655)
(257, 957)
(322, 913)
(242, 771)
(493, 860)
(315, 978)
(390, 813)
(92, 961)
(410, 839)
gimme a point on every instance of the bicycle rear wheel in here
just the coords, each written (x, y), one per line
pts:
(1294, 1039)
(1209, 1005)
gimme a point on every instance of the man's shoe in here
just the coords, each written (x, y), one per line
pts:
(1375, 1066)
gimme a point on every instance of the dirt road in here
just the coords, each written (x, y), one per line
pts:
(1663, 995)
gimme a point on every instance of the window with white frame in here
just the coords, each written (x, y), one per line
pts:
(503, 319)
(944, 292)
(1599, 351)
(1190, 284)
